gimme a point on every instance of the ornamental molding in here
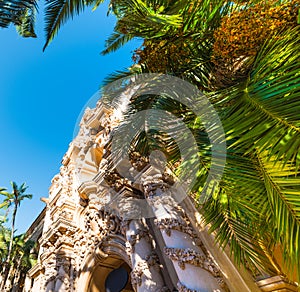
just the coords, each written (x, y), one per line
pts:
(277, 283)
(189, 256)
(183, 288)
(179, 224)
(102, 222)
(60, 227)
(36, 270)
(137, 273)
(99, 255)
(151, 260)
(116, 181)
(87, 188)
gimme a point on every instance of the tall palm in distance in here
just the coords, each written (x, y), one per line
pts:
(13, 200)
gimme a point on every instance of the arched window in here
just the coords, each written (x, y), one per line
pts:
(116, 280)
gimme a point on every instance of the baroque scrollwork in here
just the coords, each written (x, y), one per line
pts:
(151, 260)
(137, 272)
(138, 161)
(101, 222)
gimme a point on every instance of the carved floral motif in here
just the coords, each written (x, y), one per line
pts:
(134, 238)
(98, 225)
(150, 261)
(190, 256)
(180, 224)
(114, 180)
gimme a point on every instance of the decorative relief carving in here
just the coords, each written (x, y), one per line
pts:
(63, 182)
(62, 279)
(141, 233)
(50, 271)
(180, 224)
(101, 222)
(100, 255)
(137, 272)
(151, 260)
(115, 181)
(138, 161)
(183, 288)
(190, 256)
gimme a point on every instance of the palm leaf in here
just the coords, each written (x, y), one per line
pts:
(282, 183)
(120, 75)
(20, 13)
(115, 41)
(57, 12)
(149, 19)
(270, 95)
(241, 216)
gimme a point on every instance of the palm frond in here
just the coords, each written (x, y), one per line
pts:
(205, 15)
(263, 112)
(115, 41)
(21, 14)
(57, 12)
(119, 75)
(241, 216)
(282, 183)
(147, 19)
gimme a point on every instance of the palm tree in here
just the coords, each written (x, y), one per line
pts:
(23, 258)
(256, 207)
(254, 86)
(4, 240)
(14, 200)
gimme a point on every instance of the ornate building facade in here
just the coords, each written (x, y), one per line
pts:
(92, 242)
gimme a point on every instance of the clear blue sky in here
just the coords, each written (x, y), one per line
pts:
(42, 94)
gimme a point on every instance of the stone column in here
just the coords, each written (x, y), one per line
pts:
(146, 273)
(62, 283)
(49, 264)
(195, 270)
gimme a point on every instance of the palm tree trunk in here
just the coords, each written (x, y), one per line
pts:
(16, 273)
(6, 264)
(12, 233)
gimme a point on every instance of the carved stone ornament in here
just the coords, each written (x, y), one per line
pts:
(140, 233)
(100, 256)
(190, 256)
(115, 181)
(137, 272)
(138, 161)
(102, 222)
(179, 224)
